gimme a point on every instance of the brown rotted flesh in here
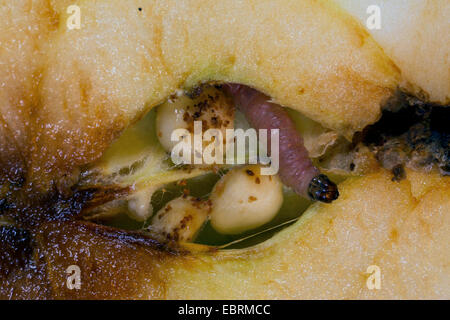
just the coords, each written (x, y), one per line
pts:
(410, 133)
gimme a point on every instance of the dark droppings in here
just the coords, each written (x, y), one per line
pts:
(410, 132)
(195, 92)
(399, 173)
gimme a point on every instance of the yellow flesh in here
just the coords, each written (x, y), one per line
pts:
(403, 228)
(326, 254)
(78, 89)
(68, 94)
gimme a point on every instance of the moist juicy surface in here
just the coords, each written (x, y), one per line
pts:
(411, 132)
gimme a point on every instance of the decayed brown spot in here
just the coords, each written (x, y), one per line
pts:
(114, 264)
(21, 275)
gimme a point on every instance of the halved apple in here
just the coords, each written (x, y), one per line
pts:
(79, 101)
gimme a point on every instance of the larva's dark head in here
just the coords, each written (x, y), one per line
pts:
(322, 189)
